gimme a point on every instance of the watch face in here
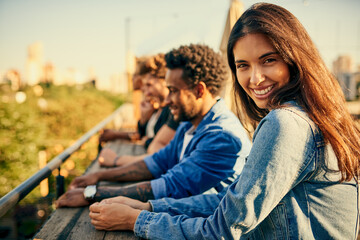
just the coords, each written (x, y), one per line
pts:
(90, 191)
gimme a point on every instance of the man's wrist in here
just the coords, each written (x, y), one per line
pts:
(98, 196)
(99, 175)
(132, 219)
(148, 206)
(107, 192)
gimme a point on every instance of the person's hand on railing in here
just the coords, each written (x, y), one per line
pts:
(108, 158)
(72, 198)
(113, 216)
(108, 135)
(83, 181)
(129, 201)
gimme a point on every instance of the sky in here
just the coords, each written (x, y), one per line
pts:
(84, 34)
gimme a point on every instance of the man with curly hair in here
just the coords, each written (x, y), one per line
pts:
(207, 151)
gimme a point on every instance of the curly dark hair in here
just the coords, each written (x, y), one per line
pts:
(155, 65)
(200, 64)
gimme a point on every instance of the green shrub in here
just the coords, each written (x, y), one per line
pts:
(26, 128)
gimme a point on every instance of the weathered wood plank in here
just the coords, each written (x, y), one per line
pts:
(83, 229)
(138, 150)
(123, 235)
(126, 148)
(59, 224)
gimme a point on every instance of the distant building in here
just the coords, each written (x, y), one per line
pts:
(357, 81)
(348, 79)
(74, 77)
(49, 73)
(34, 64)
(13, 78)
(343, 64)
(348, 84)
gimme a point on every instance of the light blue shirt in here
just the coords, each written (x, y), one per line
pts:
(212, 158)
(284, 192)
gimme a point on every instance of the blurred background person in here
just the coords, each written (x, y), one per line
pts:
(154, 114)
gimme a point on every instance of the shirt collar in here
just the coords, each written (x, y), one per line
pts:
(213, 113)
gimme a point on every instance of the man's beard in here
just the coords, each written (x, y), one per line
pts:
(185, 116)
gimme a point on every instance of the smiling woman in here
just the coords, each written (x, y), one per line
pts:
(259, 68)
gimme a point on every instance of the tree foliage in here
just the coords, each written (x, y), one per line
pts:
(50, 122)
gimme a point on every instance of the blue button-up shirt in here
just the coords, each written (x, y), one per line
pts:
(284, 192)
(213, 157)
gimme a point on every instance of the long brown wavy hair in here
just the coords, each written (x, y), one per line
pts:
(311, 84)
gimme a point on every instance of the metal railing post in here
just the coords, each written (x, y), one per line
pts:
(60, 187)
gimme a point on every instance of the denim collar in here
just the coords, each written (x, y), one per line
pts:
(216, 110)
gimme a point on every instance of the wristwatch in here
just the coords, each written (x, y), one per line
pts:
(89, 193)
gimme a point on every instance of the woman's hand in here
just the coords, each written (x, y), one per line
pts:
(113, 216)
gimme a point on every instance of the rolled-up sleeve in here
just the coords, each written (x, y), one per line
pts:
(167, 157)
(142, 223)
(158, 188)
(153, 167)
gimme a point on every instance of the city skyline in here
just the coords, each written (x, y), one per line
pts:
(94, 36)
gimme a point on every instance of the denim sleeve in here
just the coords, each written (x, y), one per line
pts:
(209, 163)
(165, 158)
(202, 205)
(282, 155)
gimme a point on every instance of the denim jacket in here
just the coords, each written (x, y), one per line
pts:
(212, 159)
(284, 192)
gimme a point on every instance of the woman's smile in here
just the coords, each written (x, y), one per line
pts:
(260, 70)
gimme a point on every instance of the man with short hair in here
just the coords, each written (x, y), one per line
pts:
(207, 151)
